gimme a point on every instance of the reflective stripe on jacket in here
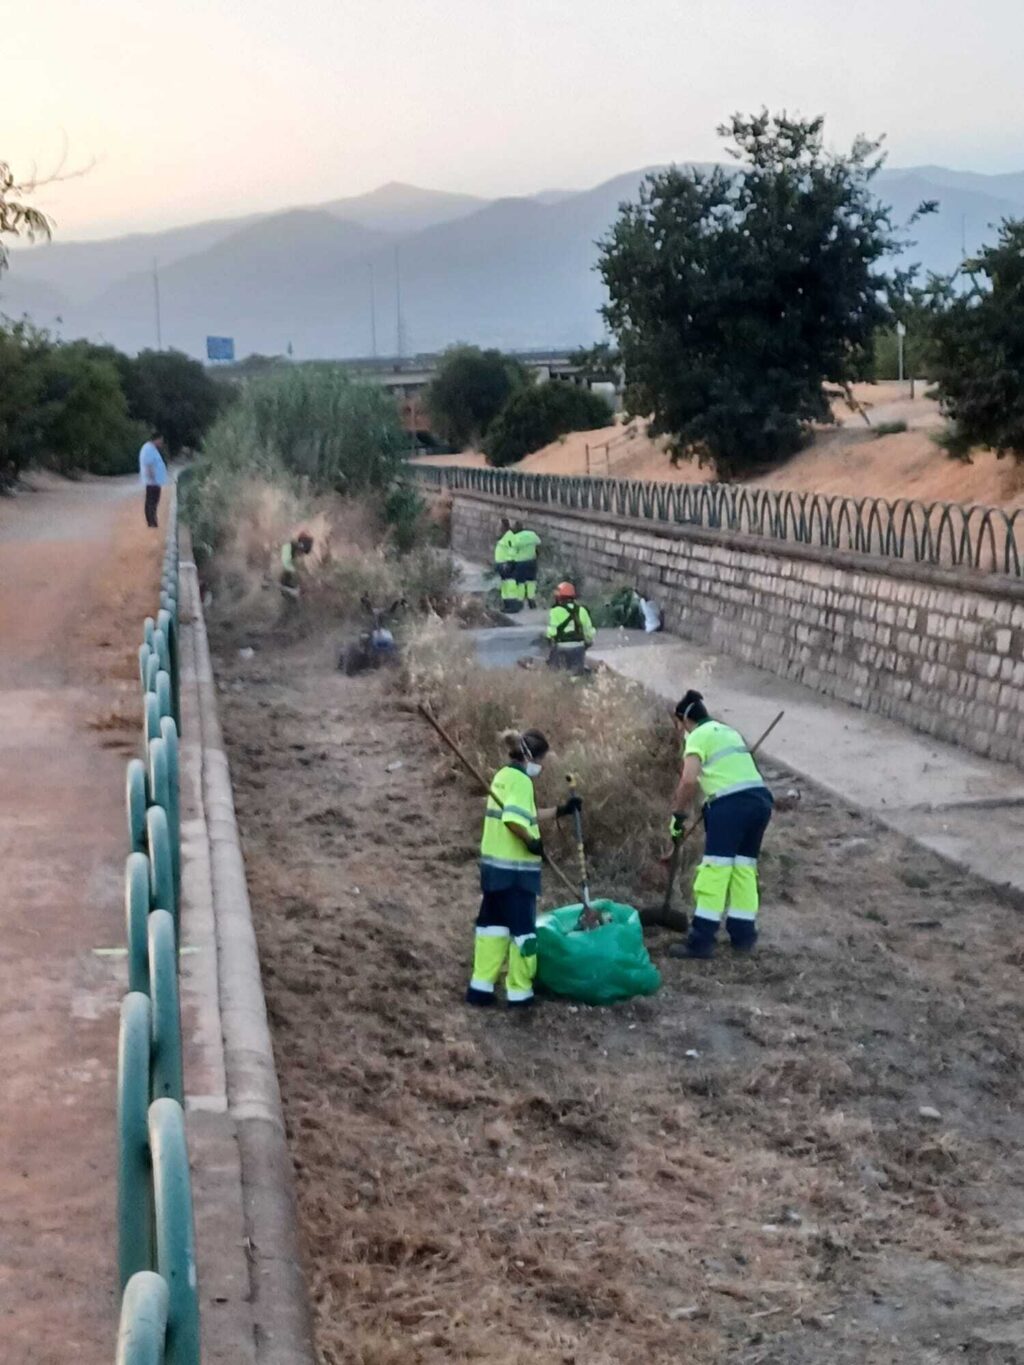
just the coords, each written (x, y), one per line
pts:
(502, 851)
(726, 762)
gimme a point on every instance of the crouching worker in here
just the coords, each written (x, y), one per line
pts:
(511, 853)
(570, 631)
(737, 808)
(291, 551)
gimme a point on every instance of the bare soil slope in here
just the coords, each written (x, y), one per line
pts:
(850, 460)
(738, 1169)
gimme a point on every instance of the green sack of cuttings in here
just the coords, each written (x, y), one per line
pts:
(599, 965)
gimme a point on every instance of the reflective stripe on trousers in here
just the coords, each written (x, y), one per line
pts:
(491, 948)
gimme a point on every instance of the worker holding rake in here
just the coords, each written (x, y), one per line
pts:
(511, 853)
(737, 808)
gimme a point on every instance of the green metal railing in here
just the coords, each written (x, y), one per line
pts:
(943, 534)
(156, 1244)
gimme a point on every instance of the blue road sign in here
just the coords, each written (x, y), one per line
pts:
(220, 348)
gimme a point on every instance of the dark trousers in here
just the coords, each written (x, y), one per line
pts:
(153, 491)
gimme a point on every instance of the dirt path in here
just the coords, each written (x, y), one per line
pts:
(737, 1170)
(76, 577)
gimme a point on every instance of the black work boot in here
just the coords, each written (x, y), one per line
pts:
(742, 934)
(699, 942)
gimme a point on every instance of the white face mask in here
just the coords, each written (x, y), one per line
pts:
(533, 770)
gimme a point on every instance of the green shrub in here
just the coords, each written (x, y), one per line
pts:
(535, 417)
(979, 351)
(469, 390)
(889, 428)
(404, 512)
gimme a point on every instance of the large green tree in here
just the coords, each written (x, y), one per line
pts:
(735, 294)
(977, 350)
(22, 354)
(172, 394)
(469, 390)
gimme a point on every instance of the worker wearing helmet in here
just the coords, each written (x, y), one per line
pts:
(291, 551)
(511, 853)
(737, 808)
(505, 566)
(570, 631)
(525, 544)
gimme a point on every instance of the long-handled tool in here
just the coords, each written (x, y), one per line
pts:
(664, 916)
(482, 782)
(590, 918)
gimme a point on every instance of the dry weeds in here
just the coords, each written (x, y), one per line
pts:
(614, 737)
(732, 1171)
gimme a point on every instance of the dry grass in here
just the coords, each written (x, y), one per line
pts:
(352, 557)
(734, 1171)
(609, 733)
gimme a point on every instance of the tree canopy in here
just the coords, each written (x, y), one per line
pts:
(172, 394)
(736, 293)
(977, 350)
(17, 217)
(469, 390)
(534, 417)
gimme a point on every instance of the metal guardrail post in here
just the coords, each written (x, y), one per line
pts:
(136, 800)
(167, 621)
(161, 868)
(151, 718)
(165, 1059)
(135, 1242)
(169, 735)
(162, 649)
(144, 654)
(159, 778)
(152, 672)
(137, 902)
(142, 1335)
(164, 694)
(148, 630)
(175, 1238)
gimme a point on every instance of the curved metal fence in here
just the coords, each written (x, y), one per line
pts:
(156, 1244)
(944, 534)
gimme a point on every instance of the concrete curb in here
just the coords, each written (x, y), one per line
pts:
(278, 1296)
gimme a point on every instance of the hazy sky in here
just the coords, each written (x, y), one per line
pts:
(203, 108)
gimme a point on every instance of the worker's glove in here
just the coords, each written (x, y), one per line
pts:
(569, 806)
(677, 825)
(536, 847)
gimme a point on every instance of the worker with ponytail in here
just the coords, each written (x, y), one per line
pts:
(511, 853)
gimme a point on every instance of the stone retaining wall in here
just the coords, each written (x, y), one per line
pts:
(940, 651)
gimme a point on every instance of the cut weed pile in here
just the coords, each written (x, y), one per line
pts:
(738, 1169)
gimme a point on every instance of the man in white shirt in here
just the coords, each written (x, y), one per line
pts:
(153, 473)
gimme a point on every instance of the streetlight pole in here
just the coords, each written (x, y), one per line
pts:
(156, 304)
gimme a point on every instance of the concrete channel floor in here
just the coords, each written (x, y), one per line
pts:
(953, 802)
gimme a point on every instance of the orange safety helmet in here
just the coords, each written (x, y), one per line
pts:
(565, 592)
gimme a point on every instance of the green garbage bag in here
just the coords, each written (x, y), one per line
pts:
(596, 966)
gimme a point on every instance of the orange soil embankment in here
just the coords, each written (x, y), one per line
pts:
(848, 459)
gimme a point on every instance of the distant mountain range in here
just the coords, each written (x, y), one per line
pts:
(409, 269)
